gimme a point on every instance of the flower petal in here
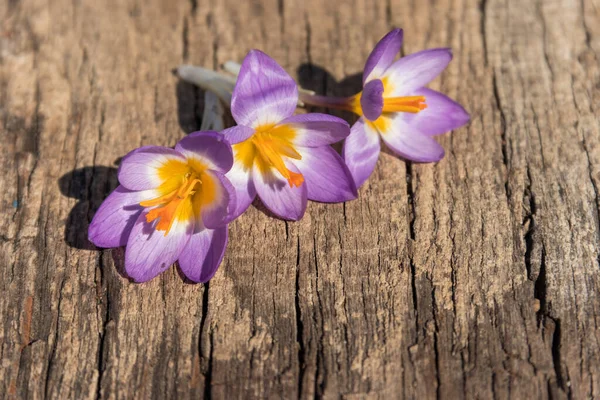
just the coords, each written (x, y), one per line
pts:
(361, 151)
(441, 115)
(382, 55)
(114, 219)
(326, 175)
(237, 134)
(273, 189)
(314, 129)
(414, 71)
(216, 200)
(149, 252)
(264, 93)
(371, 99)
(203, 254)
(209, 148)
(240, 178)
(408, 143)
(140, 169)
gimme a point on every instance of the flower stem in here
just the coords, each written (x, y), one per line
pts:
(339, 103)
(218, 83)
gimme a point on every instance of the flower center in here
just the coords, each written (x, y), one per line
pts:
(267, 147)
(411, 104)
(169, 206)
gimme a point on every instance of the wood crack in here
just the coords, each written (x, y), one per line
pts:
(203, 331)
(388, 13)
(185, 40)
(410, 196)
(503, 135)
(482, 31)
(299, 325)
(591, 176)
(438, 390)
(530, 226)
(103, 298)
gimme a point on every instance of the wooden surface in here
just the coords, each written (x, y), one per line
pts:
(477, 277)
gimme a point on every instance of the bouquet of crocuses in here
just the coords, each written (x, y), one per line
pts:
(174, 204)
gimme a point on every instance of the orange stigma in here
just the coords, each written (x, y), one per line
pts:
(411, 104)
(295, 179)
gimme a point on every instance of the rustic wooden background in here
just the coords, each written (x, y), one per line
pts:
(477, 277)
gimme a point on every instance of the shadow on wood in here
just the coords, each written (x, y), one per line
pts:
(190, 106)
(90, 186)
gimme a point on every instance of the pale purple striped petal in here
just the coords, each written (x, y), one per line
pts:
(282, 200)
(237, 134)
(139, 169)
(149, 252)
(361, 151)
(415, 71)
(314, 129)
(241, 179)
(382, 55)
(217, 213)
(371, 99)
(208, 147)
(326, 176)
(114, 219)
(203, 254)
(264, 93)
(408, 143)
(441, 115)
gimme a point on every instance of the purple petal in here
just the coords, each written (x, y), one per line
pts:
(216, 213)
(139, 170)
(149, 252)
(382, 55)
(114, 219)
(313, 130)
(326, 175)
(237, 134)
(240, 178)
(209, 148)
(409, 144)
(361, 151)
(282, 200)
(371, 99)
(441, 115)
(415, 71)
(264, 93)
(203, 254)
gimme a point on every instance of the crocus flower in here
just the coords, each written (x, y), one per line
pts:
(283, 158)
(172, 204)
(395, 105)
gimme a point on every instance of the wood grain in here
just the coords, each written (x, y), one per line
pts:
(476, 277)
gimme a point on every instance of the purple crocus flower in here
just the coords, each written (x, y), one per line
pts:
(395, 105)
(284, 158)
(171, 204)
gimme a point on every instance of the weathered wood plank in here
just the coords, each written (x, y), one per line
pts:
(476, 277)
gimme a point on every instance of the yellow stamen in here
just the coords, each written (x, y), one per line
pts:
(159, 200)
(411, 104)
